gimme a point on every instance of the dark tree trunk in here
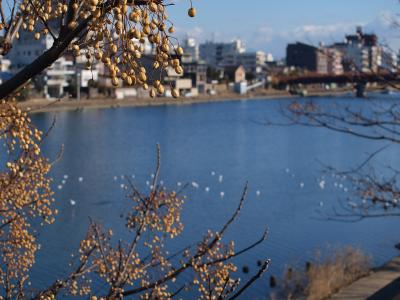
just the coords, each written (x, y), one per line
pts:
(42, 62)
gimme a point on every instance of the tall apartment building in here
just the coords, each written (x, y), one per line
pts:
(360, 51)
(221, 54)
(191, 49)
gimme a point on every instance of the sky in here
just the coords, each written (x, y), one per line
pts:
(268, 25)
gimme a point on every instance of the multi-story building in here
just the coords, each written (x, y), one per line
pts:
(191, 49)
(307, 57)
(197, 72)
(221, 54)
(26, 49)
(335, 61)
(253, 62)
(360, 51)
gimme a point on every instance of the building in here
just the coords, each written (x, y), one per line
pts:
(389, 61)
(191, 49)
(335, 61)
(235, 74)
(221, 54)
(253, 62)
(197, 72)
(26, 49)
(4, 69)
(307, 57)
(361, 52)
(5, 64)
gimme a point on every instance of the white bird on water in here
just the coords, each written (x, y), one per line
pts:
(207, 189)
(195, 185)
(59, 186)
(115, 178)
(212, 173)
(222, 194)
(80, 179)
(65, 176)
(179, 183)
(258, 193)
(220, 178)
(72, 202)
(63, 181)
(301, 184)
(322, 184)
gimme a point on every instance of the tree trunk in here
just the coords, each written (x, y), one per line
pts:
(42, 62)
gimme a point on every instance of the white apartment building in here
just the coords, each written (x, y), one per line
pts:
(220, 54)
(26, 49)
(361, 52)
(191, 50)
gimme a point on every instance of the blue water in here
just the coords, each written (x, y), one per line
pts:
(226, 138)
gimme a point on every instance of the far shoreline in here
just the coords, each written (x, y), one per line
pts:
(45, 105)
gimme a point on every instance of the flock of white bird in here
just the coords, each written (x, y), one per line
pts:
(322, 183)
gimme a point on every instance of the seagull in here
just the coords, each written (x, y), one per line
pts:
(345, 190)
(60, 187)
(152, 175)
(72, 202)
(133, 176)
(258, 193)
(195, 185)
(301, 184)
(220, 178)
(321, 203)
(222, 194)
(122, 186)
(322, 184)
(353, 205)
(179, 183)
(212, 173)
(287, 170)
(65, 176)
(147, 182)
(207, 189)
(115, 178)
(63, 181)
(80, 179)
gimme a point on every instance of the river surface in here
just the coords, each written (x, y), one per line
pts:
(281, 164)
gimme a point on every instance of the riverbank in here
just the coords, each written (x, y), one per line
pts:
(45, 105)
(381, 283)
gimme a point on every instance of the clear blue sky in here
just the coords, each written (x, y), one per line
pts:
(269, 24)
